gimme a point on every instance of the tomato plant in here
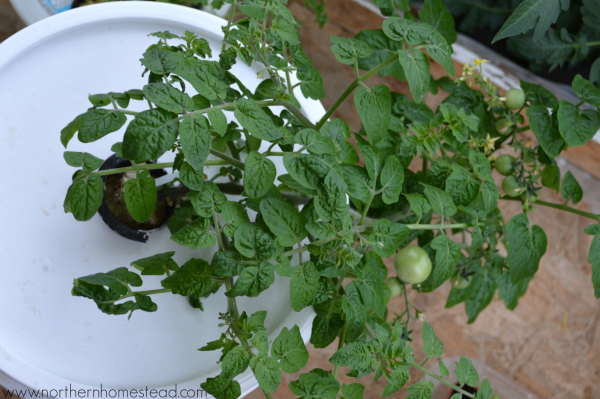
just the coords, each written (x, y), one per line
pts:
(324, 221)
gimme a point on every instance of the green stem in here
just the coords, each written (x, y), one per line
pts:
(230, 160)
(440, 379)
(365, 210)
(360, 229)
(228, 26)
(298, 114)
(592, 44)
(340, 346)
(561, 207)
(289, 253)
(152, 166)
(351, 88)
(217, 229)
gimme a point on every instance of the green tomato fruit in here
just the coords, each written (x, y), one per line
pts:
(529, 197)
(504, 164)
(515, 99)
(460, 282)
(412, 264)
(502, 126)
(511, 187)
(394, 286)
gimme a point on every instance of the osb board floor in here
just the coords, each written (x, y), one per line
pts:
(550, 345)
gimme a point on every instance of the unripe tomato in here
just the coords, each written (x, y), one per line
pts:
(511, 187)
(502, 126)
(504, 164)
(394, 286)
(412, 264)
(515, 99)
(460, 282)
(526, 196)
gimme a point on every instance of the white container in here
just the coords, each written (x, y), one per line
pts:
(32, 11)
(49, 339)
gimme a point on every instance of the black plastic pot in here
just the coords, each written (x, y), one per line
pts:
(122, 223)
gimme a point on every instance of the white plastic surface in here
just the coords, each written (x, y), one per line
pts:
(49, 339)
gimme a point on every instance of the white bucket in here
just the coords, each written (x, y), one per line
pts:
(32, 11)
(49, 339)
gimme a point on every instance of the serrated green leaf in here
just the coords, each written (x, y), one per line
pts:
(432, 346)
(221, 388)
(357, 356)
(576, 126)
(418, 204)
(374, 107)
(529, 14)
(538, 95)
(420, 390)
(193, 278)
(412, 32)
(570, 189)
(325, 329)
(330, 202)
(435, 13)
(97, 123)
(586, 91)
(303, 285)
(283, 220)
(83, 160)
(439, 49)
(195, 235)
(252, 240)
(309, 170)
(149, 135)
(160, 62)
(354, 310)
(387, 237)
(259, 175)
(285, 30)
(117, 280)
(462, 186)
(255, 120)
(156, 265)
(526, 246)
(441, 202)
(416, 69)
(194, 134)
(268, 374)
(140, 196)
(226, 264)
(383, 48)
(253, 280)
(446, 257)
(235, 362)
(289, 348)
(443, 369)
(311, 83)
(84, 197)
(545, 128)
(234, 215)
(347, 50)
(208, 200)
(466, 373)
(168, 97)
(315, 385)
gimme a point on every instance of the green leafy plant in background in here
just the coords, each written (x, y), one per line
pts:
(447, 205)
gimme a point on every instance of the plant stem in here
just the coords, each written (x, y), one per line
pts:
(152, 166)
(360, 229)
(298, 114)
(440, 379)
(228, 26)
(351, 88)
(230, 160)
(365, 210)
(340, 346)
(561, 207)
